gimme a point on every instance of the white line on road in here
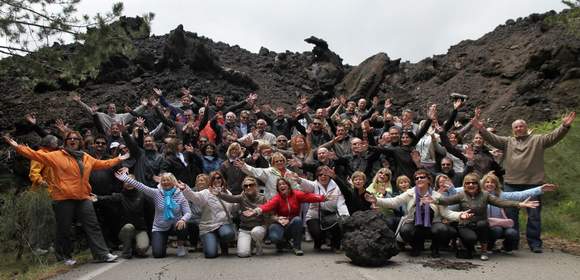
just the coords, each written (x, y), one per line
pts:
(101, 270)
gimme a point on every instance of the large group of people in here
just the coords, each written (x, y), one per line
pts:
(192, 173)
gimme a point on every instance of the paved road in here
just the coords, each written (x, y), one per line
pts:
(326, 265)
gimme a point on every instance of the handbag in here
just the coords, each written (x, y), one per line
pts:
(328, 219)
(229, 217)
(500, 222)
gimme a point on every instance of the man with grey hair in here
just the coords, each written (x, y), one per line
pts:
(524, 165)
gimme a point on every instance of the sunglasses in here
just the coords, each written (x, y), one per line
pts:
(73, 138)
(282, 140)
(446, 164)
(471, 183)
(420, 177)
(248, 185)
(317, 123)
(279, 161)
(217, 177)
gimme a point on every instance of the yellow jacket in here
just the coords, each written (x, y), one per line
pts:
(40, 173)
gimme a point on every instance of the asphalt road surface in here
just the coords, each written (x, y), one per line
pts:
(523, 265)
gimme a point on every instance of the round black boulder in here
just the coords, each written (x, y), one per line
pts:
(367, 240)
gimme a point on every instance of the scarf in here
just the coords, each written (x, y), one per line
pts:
(78, 156)
(426, 219)
(169, 204)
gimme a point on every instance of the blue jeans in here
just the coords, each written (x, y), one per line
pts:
(510, 236)
(223, 235)
(534, 224)
(159, 240)
(293, 230)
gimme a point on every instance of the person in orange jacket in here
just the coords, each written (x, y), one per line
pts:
(71, 194)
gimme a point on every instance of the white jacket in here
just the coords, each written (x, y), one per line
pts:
(408, 198)
(213, 214)
(336, 203)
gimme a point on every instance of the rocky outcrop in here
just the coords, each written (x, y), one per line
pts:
(367, 239)
(364, 80)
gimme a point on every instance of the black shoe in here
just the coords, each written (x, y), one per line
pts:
(537, 250)
(435, 254)
(415, 252)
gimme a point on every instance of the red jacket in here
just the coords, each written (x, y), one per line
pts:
(289, 206)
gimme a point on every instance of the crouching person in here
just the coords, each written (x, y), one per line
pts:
(251, 227)
(133, 234)
(171, 212)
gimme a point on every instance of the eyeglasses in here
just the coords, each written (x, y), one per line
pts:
(248, 185)
(420, 177)
(74, 138)
(471, 183)
(100, 143)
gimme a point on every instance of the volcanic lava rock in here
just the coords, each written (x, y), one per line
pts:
(364, 80)
(181, 49)
(326, 68)
(367, 239)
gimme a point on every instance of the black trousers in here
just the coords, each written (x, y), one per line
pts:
(65, 212)
(473, 232)
(319, 235)
(416, 235)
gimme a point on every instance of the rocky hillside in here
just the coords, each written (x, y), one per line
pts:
(525, 68)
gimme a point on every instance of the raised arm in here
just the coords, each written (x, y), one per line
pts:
(121, 174)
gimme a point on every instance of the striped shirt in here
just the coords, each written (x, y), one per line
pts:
(182, 212)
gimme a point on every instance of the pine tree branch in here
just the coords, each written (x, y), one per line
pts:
(41, 26)
(15, 49)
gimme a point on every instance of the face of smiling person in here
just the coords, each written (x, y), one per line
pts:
(489, 185)
(283, 187)
(358, 182)
(471, 186)
(166, 183)
(73, 141)
(520, 128)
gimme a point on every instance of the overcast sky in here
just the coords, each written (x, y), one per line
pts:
(355, 29)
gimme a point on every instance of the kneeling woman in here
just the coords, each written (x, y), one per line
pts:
(171, 212)
(251, 228)
(216, 224)
(286, 205)
(423, 219)
(475, 200)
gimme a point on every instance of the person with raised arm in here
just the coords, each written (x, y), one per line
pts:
(71, 193)
(171, 211)
(524, 166)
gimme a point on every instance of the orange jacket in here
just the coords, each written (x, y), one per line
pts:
(40, 173)
(67, 176)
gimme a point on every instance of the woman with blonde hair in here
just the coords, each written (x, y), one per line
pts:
(381, 185)
(475, 200)
(216, 225)
(500, 226)
(251, 228)
(171, 211)
(269, 175)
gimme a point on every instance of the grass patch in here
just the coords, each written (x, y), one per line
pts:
(31, 267)
(561, 213)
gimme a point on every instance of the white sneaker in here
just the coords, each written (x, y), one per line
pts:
(484, 257)
(181, 252)
(70, 262)
(110, 258)
(307, 236)
(259, 250)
